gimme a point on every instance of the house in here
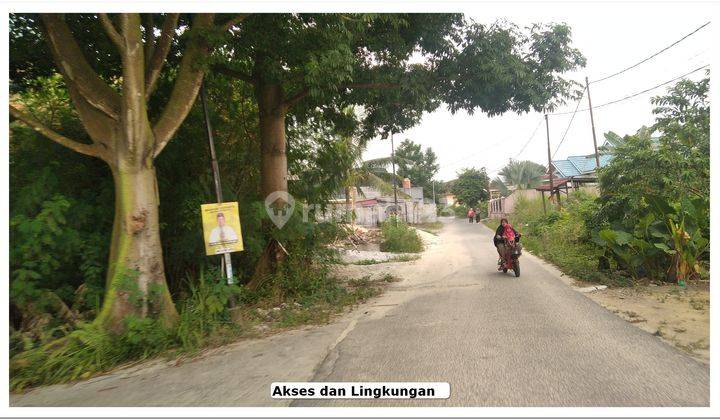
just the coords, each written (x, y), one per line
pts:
(503, 206)
(575, 172)
(447, 199)
(371, 207)
(580, 170)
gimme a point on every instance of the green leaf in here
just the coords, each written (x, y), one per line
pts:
(665, 248)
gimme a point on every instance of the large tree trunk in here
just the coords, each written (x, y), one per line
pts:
(136, 283)
(123, 137)
(136, 277)
(273, 171)
(272, 134)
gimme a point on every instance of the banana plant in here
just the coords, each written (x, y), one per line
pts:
(669, 240)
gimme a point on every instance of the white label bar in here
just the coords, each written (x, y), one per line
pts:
(360, 390)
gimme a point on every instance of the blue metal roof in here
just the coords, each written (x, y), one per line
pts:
(582, 163)
(576, 165)
(565, 168)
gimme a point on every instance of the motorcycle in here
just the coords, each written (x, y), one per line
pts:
(511, 259)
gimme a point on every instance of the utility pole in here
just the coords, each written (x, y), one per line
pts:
(392, 158)
(592, 123)
(226, 261)
(550, 171)
(434, 192)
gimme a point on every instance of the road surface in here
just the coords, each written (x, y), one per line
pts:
(498, 340)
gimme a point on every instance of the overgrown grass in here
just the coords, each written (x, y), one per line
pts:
(399, 237)
(300, 292)
(319, 310)
(396, 258)
(562, 237)
(90, 349)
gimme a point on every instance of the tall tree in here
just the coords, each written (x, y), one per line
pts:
(522, 174)
(418, 166)
(471, 186)
(674, 166)
(113, 109)
(498, 184)
(302, 63)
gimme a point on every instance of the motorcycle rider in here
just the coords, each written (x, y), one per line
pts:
(503, 232)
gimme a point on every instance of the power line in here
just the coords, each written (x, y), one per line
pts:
(451, 164)
(532, 136)
(652, 56)
(649, 89)
(582, 95)
(634, 94)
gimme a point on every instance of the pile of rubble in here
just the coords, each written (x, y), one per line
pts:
(358, 235)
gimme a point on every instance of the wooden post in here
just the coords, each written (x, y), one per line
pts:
(592, 124)
(543, 201)
(550, 171)
(392, 158)
(559, 201)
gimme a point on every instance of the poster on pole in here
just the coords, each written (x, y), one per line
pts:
(221, 228)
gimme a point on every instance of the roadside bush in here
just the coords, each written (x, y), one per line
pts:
(204, 313)
(563, 236)
(59, 351)
(669, 242)
(399, 237)
(653, 219)
(460, 211)
(89, 349)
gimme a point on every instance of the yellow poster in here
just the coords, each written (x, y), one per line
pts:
(221, 228)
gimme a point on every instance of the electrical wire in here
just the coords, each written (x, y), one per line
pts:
(649, 89)
(652, 56)
(582, 95)
(634, 94)
(532, 136)
(451, 164)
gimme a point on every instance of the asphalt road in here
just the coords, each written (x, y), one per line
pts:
(505, 341)
(498, 340)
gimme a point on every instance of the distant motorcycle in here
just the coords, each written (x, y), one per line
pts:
(510, 261)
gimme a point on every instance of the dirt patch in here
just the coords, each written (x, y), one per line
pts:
(680, 316)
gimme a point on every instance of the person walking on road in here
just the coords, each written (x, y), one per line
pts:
(477, 215)
(471, 215)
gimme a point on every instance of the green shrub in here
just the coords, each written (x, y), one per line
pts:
(668, 242)
(563, 236)
(86, 351)
(89, 349)
(205, 312)
(399, 237)
(460, 211)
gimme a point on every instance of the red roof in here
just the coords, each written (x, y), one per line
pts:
(368, 202)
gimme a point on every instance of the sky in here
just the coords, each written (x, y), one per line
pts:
(611, 36)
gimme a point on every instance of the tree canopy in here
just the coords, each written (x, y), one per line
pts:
(471, 186)
(417, 165)
(106, 102)
(674, 165)
(522, 174)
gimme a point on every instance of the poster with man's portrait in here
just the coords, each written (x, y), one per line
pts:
(221, 228)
